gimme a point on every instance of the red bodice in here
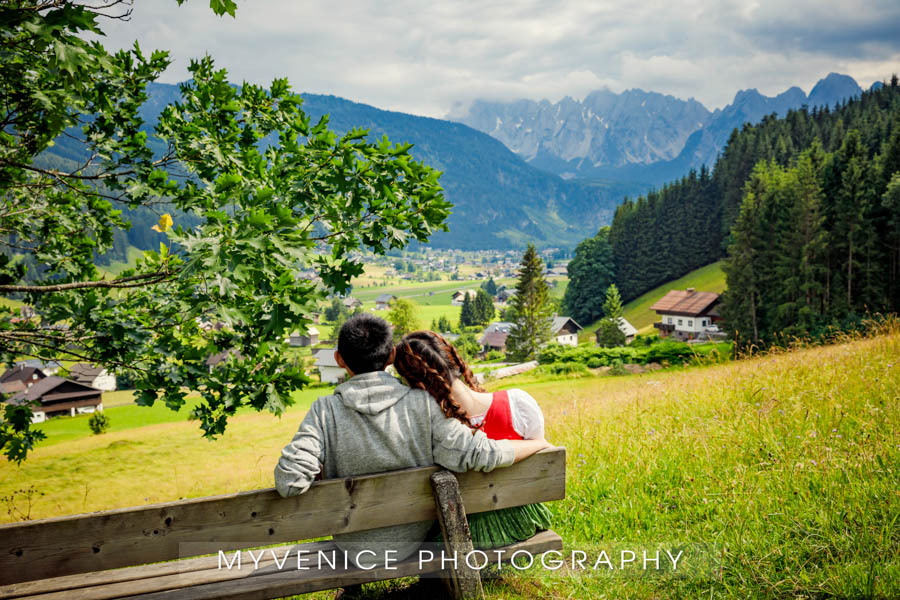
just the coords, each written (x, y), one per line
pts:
(498, 423)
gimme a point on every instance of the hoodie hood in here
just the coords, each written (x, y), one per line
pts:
(371, 393)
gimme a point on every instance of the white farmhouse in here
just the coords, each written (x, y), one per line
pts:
(565, 331)
(93, 376)
(686, 314)
(329, 370)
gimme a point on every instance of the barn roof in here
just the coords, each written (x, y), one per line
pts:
(325, 358)
(687, 302)
(85, 373)
(560, 322)
(625, 327)
(48, 384)
(495, 339)
(20, 373)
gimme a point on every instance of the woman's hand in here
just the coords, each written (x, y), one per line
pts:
(525, 448)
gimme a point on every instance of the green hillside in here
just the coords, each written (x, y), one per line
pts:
(710, 278)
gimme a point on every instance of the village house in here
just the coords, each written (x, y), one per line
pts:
(687, 314)
(505, 295)
(383, 302)
(460, 295)
(95, 377)
(565, 331)
(19, 378)
(47, 367)
(310, 339)
(57, 397)
(352, 303)
(494, 337)
(627, 329)
(220, 357)
(329, 370)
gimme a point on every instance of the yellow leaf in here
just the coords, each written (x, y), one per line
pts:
(165, 222)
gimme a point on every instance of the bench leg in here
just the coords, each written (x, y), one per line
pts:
(464, 582)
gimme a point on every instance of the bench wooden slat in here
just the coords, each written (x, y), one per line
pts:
(208, 581)
(287, 583)
(134, 536)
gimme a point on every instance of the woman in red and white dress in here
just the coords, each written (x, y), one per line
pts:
(427, 361)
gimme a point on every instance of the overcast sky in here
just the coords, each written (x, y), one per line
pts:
(421, 57)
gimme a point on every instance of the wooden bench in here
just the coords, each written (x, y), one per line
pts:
(107, 554)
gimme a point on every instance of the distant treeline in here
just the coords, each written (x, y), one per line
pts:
(687, 224)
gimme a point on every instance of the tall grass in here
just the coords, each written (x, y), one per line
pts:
(777, 474)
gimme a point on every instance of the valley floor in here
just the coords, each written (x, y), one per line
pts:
(777, 476)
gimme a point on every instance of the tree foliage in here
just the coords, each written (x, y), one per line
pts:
(532, 309)
(688, 223)
(608, 333)
(404, 317)
(591, 272)
(258, 192)
(483, 308)
(813, 245)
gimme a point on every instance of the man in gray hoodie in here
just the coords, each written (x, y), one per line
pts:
(375, 423)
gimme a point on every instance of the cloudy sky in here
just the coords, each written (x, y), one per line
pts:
(423, 57)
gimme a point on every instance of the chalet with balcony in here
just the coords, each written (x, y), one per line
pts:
(686, 314)
(54, 396)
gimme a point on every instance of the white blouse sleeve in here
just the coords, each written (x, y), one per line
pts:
(527, 418)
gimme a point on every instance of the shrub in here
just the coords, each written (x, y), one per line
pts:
(565, 368)
(595, 362)
(98, 422)
(494, 355)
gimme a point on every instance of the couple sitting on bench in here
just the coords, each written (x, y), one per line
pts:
(374, 422)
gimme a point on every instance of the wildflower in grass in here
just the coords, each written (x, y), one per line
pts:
(814, 463)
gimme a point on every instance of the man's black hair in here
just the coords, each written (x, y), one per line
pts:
(365, 343)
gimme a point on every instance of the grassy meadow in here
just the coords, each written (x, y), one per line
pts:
(777, 475)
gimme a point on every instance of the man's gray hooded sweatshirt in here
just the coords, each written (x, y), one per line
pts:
(375, 423)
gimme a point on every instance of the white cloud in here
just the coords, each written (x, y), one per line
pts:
(422, 57)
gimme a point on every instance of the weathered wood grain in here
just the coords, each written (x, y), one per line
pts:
(465, 581)
(153, 533)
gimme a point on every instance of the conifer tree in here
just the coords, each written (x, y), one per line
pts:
(467, 317)
(531, 306)
(483, 308)
(609, 334)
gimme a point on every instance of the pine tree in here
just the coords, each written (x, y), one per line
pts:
(467, 317)
(609, 334)
(612, 304)
(483, 308)
(741, 301)
(443, 324)
(490, 286)
(533, 314)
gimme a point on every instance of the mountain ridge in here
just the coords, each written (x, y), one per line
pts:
(500, 201)
(647, 146)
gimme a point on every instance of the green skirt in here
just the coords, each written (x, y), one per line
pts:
(505, 526)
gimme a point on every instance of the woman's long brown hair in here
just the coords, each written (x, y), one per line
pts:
(429, 362)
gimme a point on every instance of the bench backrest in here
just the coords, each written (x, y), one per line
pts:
(133, 536)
